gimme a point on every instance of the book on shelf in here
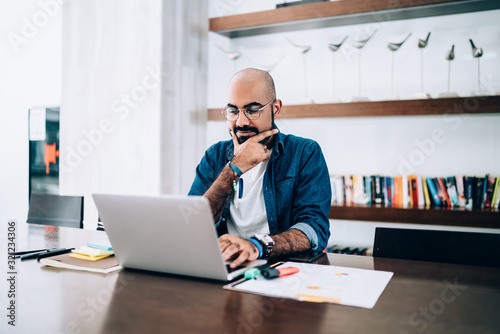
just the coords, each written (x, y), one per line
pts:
(433, 192)
(496, 197)
(488, 195)
(441, 190)
(496, 194)
(425, 190)
(413, 191)
(348, 189)
(469, 182)
(452, 190)
(478, 193)
(360, 193)
(368, 189)
(460, 190)
(406, 192)
(379, 194)
(398, 191)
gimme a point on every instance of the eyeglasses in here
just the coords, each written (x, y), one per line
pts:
(252, 112)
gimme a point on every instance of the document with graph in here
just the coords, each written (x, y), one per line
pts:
(320, 284)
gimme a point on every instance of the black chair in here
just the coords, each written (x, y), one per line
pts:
(56, 210)
(468, 248)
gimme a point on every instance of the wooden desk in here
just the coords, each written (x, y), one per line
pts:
(418, 299)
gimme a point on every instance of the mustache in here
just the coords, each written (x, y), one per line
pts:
(245, 128)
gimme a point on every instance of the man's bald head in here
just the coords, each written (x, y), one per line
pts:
(252, 76)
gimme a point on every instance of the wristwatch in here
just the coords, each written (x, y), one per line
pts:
(267, 244)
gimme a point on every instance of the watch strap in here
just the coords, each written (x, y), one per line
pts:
(258, 245)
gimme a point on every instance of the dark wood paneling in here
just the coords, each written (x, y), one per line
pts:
(461, 105)
(325, 14)
(430, 216)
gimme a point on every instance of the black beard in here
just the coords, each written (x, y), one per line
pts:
(241, 140)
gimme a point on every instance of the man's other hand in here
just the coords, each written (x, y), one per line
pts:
(235, 247)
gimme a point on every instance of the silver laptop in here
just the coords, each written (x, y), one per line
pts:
(170, 234)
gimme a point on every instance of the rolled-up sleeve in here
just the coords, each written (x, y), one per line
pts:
(313, 197)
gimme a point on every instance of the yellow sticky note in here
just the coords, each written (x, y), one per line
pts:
(87, 257)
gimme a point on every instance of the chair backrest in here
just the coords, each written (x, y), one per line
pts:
(481, 249)
(56, 210)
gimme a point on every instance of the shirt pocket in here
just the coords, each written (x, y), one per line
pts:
(285, 190)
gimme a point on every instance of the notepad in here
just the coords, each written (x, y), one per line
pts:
(104, 266)
(90, 254)
(321, 284)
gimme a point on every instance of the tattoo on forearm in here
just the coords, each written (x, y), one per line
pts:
(290, 241)
(219, 192)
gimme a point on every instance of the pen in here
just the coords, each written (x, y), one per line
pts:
(280, 272)
(54, 252)
(36, 254)
(27, 252)
(254, 272)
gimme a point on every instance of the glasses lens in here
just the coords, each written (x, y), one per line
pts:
(253, 112)
(231, 114)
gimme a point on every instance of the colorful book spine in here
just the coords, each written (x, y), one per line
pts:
(469, 185)
(441, 189)
(427, 197)
(460, 190)
(406, 191)
(420, 192)
(368, 188)
(348, 190)
(485, 185)
(478, 193)
(496, 193)
(496, 204)
(379, 196)
(433, 192)
(490, 186)
(452, 190)
(398, 191)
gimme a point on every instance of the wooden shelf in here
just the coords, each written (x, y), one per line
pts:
(461, 105)
(430, 216)
(337, 13)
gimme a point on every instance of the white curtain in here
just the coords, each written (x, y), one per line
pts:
(183, 101)
(133, 111)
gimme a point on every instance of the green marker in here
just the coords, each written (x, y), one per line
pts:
(251, 273)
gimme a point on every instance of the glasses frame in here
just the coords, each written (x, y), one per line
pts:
(245, 110)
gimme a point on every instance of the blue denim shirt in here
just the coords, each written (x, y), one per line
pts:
(296, 186)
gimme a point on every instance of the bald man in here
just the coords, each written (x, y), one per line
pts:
(269, 192)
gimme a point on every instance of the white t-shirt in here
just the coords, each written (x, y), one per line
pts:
(248, 214)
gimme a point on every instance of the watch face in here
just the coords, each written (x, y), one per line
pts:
(265, 239)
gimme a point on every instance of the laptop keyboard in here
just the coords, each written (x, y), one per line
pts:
(230, 270)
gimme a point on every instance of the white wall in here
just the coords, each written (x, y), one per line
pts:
(30, 76)
(376, 145)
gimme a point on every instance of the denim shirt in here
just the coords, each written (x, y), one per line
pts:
(296, 186)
